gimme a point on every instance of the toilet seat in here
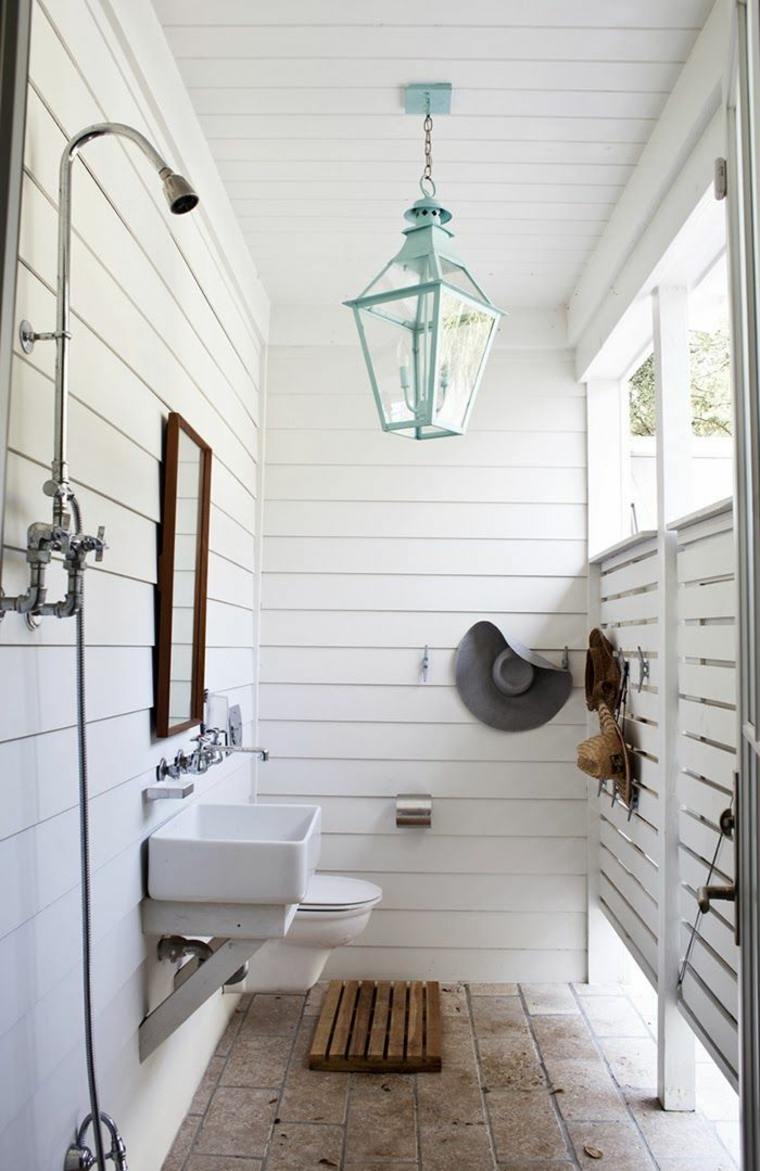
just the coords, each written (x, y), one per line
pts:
(333, 892)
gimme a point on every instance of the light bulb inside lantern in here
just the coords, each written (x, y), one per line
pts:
(404, 360)
(443, 383)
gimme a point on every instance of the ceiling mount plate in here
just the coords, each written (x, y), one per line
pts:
(428, 98)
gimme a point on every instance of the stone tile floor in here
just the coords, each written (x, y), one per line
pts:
(537, 1077)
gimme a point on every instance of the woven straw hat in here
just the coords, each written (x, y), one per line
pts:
(606, 757)
(603, 678)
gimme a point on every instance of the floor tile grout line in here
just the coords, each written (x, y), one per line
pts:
(479, 1074)
(202, 1116)
(346, 1114)
(653, 1034)
(570, 1145)
(607, 1065)
(268, 1148)
(417, 1128)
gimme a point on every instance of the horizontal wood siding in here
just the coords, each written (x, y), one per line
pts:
(375, 546)
(159, 324)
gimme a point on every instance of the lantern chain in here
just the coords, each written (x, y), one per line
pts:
(427, 173)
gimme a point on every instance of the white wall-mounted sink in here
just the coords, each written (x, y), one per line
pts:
(235, 854)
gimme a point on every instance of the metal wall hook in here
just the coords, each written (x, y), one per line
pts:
(643, 669)
(634, 519)
(425, 664)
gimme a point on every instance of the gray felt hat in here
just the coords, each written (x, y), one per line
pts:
(505, 684)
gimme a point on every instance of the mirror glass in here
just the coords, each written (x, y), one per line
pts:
(182, 579)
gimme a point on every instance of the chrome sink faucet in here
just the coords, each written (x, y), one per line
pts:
(213, 742)
(211, 747)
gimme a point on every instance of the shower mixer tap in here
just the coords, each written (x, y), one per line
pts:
(42, 541)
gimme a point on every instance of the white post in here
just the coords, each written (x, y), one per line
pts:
(609, 463)
(675, 1040)
(605, 950)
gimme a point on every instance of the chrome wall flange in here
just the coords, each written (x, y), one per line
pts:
(28, 336)
(78, 1159)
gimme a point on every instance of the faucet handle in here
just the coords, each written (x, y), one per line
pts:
(101, 546)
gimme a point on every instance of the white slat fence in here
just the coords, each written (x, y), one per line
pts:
(707, 760)
(629, 847)
(626, 603)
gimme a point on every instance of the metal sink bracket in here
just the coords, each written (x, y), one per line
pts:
(237, 932)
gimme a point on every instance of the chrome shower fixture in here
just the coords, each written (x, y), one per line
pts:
(45, 539)
(79, 1157)
(179, 193)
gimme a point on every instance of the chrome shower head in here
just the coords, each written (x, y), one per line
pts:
(179, 194)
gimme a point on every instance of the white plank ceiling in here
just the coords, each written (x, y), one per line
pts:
(302, 103)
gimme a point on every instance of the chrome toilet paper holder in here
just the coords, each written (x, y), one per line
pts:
(414, 809)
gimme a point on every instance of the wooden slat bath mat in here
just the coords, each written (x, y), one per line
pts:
(379, 1027)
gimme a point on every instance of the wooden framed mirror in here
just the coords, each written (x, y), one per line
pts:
(182, 579)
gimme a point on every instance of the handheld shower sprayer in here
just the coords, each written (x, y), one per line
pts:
(43, 540)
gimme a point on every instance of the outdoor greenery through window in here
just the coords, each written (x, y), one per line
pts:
(709, 366)
(710, 376)
(708, 472)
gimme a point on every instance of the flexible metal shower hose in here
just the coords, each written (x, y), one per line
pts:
(84, 851)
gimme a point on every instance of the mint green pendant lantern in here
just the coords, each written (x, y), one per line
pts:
(425, 325)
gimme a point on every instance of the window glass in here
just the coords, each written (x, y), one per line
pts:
(711, 388)
(643, 447)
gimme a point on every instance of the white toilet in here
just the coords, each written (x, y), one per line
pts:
(334, 912)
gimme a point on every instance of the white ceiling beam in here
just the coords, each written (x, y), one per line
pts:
(413, 43)
(687, 14)
(610, 276)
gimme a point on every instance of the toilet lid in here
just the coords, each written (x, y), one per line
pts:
(327, 891)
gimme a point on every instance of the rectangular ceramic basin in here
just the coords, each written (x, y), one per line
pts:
(235, 854)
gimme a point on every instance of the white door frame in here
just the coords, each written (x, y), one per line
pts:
(743, 109)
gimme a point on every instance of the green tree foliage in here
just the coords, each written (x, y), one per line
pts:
(710, 376)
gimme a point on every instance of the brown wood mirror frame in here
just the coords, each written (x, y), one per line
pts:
(182, 579)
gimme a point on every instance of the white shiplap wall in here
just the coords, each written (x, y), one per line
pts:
(375, 546)
(163, 320)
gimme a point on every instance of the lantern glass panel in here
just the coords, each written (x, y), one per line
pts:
(457, 274)
(399, 335)
(397, 276)
(465, 334)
